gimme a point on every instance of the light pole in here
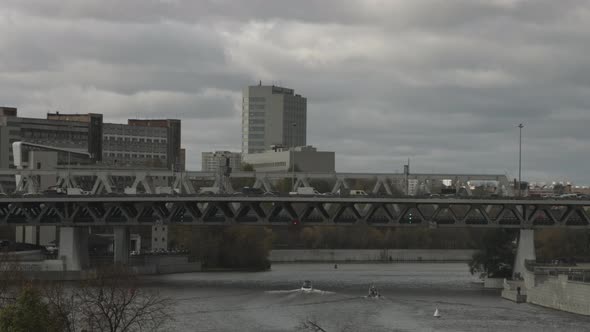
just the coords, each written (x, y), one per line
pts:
(520, 126)
(293, 125)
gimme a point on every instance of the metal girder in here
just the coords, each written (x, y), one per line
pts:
(103, 181)
(320, 210)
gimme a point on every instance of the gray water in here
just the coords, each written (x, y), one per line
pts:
(271, 301)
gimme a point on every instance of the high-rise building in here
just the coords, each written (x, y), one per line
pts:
(210, 161)
(272, 115)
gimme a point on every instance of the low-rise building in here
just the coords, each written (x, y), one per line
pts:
(210, 161)
(281, 159)
(138, 143)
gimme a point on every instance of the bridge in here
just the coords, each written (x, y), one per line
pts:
(106, 205)
(75, 213)
(104, 181)
(286, 210)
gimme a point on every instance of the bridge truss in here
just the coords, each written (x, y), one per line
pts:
(300, 210)
(99, 182)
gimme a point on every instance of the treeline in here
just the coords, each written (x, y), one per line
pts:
(248, 247)
(241, 247)
(553, 243)
(367, 237)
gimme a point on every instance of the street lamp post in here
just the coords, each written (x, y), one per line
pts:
(520, 126)
(293, 125)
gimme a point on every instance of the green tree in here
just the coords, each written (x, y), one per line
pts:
(246, 247)
(29, 313)
(496, 256)
(312, 237)
(247, 167)
(557, 243)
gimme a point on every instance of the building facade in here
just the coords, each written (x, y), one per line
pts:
(210, 161)
(78, 134)
(304, 158)
(272, 115)
(139, 143)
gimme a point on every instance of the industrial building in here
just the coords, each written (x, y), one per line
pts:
(281, 159)
(210, 161)
(138, 144)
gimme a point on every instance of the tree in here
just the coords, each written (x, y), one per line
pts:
(247, 167)
(311, 236)
(246, 247)
(10, 277)
(29, 313)
(113, 302)
(558, 243)
(496, 258)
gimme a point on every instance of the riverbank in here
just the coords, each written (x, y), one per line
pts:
(370, 255)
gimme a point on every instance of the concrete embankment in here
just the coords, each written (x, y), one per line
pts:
(369, 255)
(552, 291)
(559, 293)
(37, 268)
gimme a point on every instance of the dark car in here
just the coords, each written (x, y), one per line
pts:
(252, 191)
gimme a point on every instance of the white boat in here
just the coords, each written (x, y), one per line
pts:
(307, 287)
(436, 313)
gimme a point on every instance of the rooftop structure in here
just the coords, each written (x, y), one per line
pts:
(282, 159)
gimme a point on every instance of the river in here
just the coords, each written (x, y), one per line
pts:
(271, 301)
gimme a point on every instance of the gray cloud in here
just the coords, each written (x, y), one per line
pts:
(444, 82)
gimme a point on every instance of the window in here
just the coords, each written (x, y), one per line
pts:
(155, 239)
(257, 99)
(257, 114)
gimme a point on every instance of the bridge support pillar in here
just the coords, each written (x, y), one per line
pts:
(73, 247)
(525, 251)
(121, 247)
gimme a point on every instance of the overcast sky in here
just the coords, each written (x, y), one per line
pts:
(443, 82)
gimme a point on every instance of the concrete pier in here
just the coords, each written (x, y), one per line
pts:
(73, 247)
(121, 247)
(525, 251)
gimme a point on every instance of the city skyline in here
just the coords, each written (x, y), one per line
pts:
(384, 82)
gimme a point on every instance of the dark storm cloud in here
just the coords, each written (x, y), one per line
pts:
(444, 82)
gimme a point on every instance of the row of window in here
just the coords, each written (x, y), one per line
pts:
(133, 155)
(133, 139)
(255, 99)
(275, 164)
(54, 134)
